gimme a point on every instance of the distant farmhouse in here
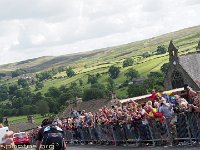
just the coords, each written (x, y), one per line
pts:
(182, 70)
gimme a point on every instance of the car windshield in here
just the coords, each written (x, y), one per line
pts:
(23, 134)
(19, 134)
(16, 135)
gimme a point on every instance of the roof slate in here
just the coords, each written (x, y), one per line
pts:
(191, 64)
(22, 126)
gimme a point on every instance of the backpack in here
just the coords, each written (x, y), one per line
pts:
(53, 138)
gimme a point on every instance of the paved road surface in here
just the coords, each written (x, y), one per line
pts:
(124, 148)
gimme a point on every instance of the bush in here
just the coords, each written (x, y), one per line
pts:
(136, 90)
(93, 93)
(132, 73)
(114, 72)
(127, 62)
(70, 72)
(146, 54)
(161, 49)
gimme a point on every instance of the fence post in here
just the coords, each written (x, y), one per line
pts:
(188, 128)
(151, 134)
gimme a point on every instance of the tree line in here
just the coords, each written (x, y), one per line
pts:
(23, 101)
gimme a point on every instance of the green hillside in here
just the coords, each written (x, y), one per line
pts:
(99, 61)
(25, 100)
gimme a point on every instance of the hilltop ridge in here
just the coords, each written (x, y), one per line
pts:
(46, 62)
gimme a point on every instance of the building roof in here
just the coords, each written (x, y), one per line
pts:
(146, 96)
(88, 106)
(22, 126)
(191, 64)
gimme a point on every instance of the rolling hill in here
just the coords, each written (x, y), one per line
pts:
(98, 61)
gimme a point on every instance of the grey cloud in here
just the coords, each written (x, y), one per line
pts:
(23, 9)
(32, 28)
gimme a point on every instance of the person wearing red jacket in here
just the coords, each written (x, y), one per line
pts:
(153, 96)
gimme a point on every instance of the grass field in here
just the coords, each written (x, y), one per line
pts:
(38, 119)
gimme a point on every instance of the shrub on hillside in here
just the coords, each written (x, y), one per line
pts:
(127, 62)
(132, 73)
(18, 72)
(93, 93)
(161, 49)
(146, 54)
(70, 72)
(113, 72)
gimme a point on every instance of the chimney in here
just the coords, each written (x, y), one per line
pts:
(30, 119)
(5, 121)
(114, 96)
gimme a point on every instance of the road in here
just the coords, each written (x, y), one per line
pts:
(122, 148)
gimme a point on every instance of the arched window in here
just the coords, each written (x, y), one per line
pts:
(177, 80)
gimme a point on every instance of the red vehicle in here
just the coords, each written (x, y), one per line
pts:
(21, 138)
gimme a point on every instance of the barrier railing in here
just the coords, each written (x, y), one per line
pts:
(183, 128)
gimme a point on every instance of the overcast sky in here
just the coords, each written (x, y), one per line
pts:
(34, 28)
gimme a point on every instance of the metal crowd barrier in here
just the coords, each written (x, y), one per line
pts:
(183, 128)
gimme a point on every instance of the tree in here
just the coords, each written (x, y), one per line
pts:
(98, 75)
(98, 86)
(80, 82)
(136, 90)
(44, 75)
(132, 73)
(92, 93)
(37, 97)
(110, 85)
(155, 75)
(43, 107)
(38, 86)
(73, 84)
(75, 90)
(18, 72)
(70, 72)
(2, 75)
(92, 79)
(3, 92)
(12, 89)
(65, 97)
(53, 105)
(127, 62)
(22, 82)
(161, 49)
(17, 102)
(164, 68)
(113, 72)
(27, 109)
(61, 69)
(146, 54)
(198, 46)
(155, 80)
(53, 92)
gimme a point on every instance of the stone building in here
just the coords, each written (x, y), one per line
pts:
(182, 70)
(22, 126)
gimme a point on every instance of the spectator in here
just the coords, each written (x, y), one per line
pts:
(165, 95)
(165, 108)
(9, 144)
(153, 96)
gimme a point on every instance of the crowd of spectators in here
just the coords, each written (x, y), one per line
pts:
(160, 104)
